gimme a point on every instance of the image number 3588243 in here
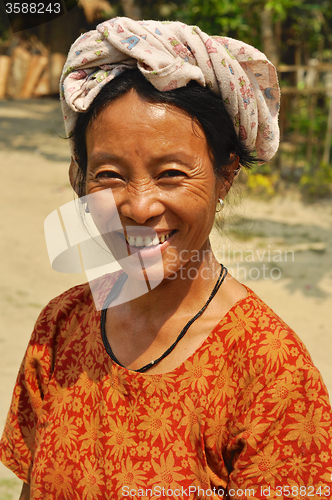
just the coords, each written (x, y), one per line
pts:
(24, 15)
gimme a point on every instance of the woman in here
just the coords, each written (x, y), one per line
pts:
(195, 389)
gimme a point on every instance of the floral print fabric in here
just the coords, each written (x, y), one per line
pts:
(170, 54)
(246, 416)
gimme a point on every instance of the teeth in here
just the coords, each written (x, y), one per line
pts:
(138, 241)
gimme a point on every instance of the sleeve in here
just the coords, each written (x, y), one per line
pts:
(280, 445)
(52, 333)
(18, 440)
(277, 434)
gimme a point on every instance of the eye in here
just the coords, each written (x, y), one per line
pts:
(108, 174)
(173, 173)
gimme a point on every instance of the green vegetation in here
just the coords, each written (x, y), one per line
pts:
(295, 33)
(290, 32)
(262, 185)
(316, 182)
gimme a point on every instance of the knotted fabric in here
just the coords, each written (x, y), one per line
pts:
(170, 54)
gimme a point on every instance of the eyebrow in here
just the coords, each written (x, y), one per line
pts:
(182, 157)
(98, 158)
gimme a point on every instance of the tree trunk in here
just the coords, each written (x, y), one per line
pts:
(327, 146)
(5, 63)
(59, 34)
(37, 66)
(268, 36)
(131, 9)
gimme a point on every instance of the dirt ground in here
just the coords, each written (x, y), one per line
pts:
(281, 248)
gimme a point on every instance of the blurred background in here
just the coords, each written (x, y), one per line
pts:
(275, 231)
(295, 35)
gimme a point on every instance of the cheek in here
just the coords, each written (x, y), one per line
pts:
(103, 210)
(200, 197)
(110, 234)
(203, 186)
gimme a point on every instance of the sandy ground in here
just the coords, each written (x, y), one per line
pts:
(282, 248)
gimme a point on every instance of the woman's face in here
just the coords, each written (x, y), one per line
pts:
(157, 164)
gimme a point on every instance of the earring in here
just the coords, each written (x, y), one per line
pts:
(87, 210)
(221, 202)
(237, 171)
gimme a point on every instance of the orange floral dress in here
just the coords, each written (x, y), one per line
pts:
(246, 416)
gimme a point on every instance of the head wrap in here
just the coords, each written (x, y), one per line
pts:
(170, 54)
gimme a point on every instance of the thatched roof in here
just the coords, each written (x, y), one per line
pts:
(95, 9)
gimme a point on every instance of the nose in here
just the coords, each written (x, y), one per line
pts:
(141, 205)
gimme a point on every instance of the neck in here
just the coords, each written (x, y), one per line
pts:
(186, 290)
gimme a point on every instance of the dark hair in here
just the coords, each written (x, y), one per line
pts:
(199, 102)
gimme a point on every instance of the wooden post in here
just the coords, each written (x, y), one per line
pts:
(19, 68)
(57, 62)
(310, 81)
(131, 9)
(328, 137)
(5, 63)
(43, 85)
(37, 65)
(312, 102)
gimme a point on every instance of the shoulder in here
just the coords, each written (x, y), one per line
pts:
(253, 324)
(260, 356)
(256, 343)
(67, 320)
(72, 306)
(76, 300)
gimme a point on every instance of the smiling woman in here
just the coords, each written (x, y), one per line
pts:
(194, 388)
(204, 107)
(158, 165)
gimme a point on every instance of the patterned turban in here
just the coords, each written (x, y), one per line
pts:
(170, 54)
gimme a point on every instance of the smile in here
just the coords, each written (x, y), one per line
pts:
(147, 241)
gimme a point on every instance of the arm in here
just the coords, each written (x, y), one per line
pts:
(25, 493)
(282, 442)
(274, 409)
(18, 439)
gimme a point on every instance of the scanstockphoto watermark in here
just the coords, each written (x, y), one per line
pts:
(255, 264)
(161, 491)
(228, 255)
(322, 491)
(238, 271)
(242, 265)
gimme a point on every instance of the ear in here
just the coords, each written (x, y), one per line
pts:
(73, 176)
(230, 173)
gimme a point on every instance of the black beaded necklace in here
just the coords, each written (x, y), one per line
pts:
(114, 293)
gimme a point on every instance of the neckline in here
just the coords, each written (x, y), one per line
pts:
(207, 340)
(114, 293)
